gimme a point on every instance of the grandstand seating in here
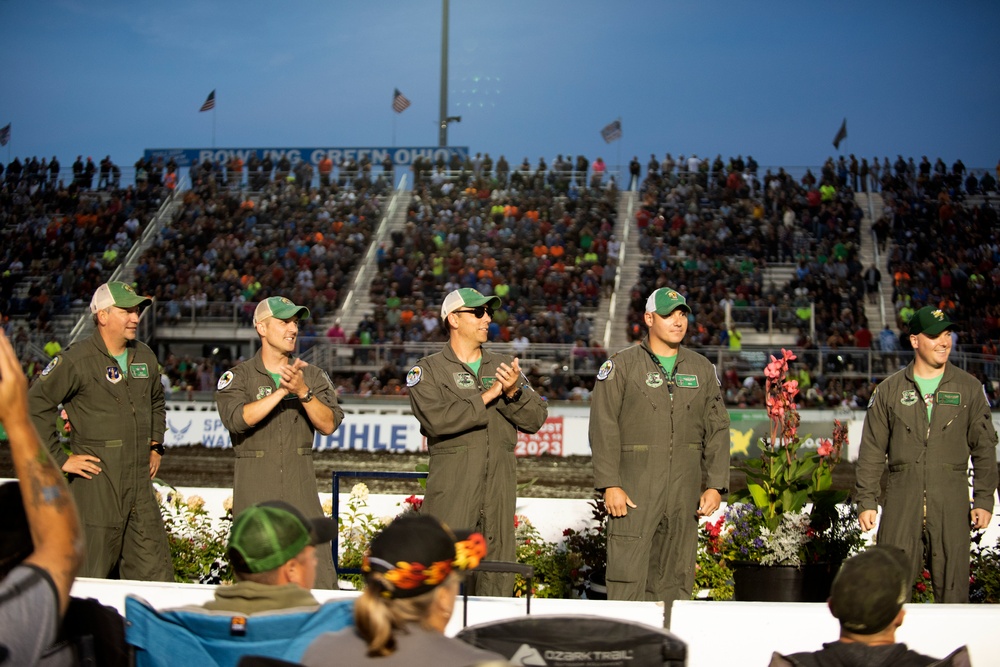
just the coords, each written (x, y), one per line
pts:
(786, 262)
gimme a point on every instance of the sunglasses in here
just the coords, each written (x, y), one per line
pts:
(478, 311)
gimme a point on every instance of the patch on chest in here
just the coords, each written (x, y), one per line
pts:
(949, 398)
(909, 397)
(113, 374)
(138, 370)
(689, 381)
(488, 381)
(654, 379)
(464, 380)
(263, 391)
(413, 377)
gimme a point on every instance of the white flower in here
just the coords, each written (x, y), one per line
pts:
(195, 502)
(328, 507)
(360, 491)
(227, 504)
(786, 542)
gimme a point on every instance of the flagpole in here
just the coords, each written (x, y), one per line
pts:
(213, 127)
(619, 156)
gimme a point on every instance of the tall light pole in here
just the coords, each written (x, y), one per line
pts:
(443, 129)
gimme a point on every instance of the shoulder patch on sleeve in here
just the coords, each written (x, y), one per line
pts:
(225, 380)
(55, 362)
(871, 400)
(715, 371)
(606, 369)
(413, 377)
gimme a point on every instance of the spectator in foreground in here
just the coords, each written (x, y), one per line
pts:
(41, 548)
(867, 598)
(272, 550)
(411, 581)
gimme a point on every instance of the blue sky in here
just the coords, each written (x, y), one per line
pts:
(530, 78)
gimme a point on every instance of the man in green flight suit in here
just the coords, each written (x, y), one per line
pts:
(111, 391)
(928, 420)
(656, 421)
(470, 404)
(272, 405)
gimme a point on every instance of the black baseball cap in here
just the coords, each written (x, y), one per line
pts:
(870, 589)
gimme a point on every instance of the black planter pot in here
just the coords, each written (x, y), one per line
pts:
(596, 587)
(753, 582)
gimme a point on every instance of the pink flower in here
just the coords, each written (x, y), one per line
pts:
(825, 447)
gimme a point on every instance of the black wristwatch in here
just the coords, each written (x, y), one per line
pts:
(515, 398)
(158, 448)
(308, 397)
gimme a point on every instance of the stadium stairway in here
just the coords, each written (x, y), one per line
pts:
(879, 313)
(358, 303)
(609, 321)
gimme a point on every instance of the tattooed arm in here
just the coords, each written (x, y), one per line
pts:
(48, 505)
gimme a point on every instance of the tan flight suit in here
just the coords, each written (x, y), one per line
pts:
(472, 481)
(274, 458)
(653, 440)
(926, 507)
(115, 416)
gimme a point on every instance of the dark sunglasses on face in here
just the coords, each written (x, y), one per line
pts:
(478, 311)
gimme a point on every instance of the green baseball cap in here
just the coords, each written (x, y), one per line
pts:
(665, 301)
(929, 321)
(117, 293)
(467, 297)
(269, 534)
(280, 307)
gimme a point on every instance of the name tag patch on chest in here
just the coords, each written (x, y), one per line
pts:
(488, 381)
(686, 381)
(263, 391)
(949, 398)
(114, 374)
(464, 380)
(138, 370)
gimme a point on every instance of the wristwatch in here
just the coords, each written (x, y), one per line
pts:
(515, 398)
(158, 448)
(308, 397)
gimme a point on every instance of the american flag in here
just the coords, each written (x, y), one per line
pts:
(399, 102)
(209, 102)
(5, 134)
(612, 131)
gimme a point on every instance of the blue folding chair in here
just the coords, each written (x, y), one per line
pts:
(206, 638)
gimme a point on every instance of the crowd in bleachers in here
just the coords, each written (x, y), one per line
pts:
(710, 228)
(62, 237)
(539, 236)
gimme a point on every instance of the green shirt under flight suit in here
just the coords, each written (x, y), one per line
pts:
(115, 414)
(274, 458)
(927, 495)
(653, 440)
(472, 481)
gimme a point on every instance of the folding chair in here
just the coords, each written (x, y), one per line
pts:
(604, 642)
(206, 638)
(526, 571)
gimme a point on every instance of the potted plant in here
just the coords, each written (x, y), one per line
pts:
(768, 535)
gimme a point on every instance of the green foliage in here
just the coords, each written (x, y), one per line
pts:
(985, 571)
(587, 548)
(197, 544)
(548, 560)
(356, 528)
